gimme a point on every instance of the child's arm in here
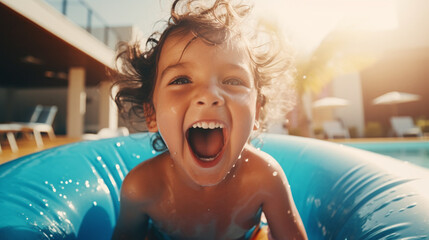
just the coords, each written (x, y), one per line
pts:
(132, 222)
(283, 218)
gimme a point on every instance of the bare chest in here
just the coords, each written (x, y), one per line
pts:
(187, 216)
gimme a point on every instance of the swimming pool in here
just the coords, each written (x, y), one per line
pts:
(416, 152)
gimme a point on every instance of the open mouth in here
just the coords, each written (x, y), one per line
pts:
(206, 141)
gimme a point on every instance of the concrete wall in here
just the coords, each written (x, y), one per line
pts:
(92, 110)
(349, 87)
(404, 71)
(18, 104)
(3, 105)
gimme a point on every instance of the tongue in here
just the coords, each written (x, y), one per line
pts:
(206, 143)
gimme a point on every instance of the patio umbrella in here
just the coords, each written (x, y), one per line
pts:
(330, 102)
(392, 98)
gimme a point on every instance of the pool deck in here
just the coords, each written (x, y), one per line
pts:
(27, 146)
(389, 139)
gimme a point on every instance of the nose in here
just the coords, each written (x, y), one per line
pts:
(209, 96)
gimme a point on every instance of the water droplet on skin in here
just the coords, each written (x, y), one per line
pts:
(174, 153)
(233, 166)
(233, 175)
(288, 211)
(171, 165)
(239, 157)
(247, 160)
(274, 173)
(269, 165)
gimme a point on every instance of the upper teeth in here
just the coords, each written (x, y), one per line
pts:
(207, 125)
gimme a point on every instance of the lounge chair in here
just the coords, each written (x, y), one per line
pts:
(404, 127)
(334, 129)
(40, 122)
(10, 129)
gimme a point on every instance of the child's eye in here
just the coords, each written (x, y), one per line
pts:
(233, 81)
(180, 81)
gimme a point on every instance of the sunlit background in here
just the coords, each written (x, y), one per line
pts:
(350, 51)
(362, 68)
(333, 40)
(305, 22)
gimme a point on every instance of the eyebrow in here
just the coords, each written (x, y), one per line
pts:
(233, 66)
(170, 67)
(240, 67)
(178, 64)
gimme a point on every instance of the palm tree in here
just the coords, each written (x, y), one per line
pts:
(342, 51)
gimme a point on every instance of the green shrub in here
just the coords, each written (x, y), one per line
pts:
(373, 129)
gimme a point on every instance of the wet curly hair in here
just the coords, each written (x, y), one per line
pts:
(218, 22)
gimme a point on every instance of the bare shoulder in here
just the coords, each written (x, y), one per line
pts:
(141, 188)
(144, 182)
(277, 201)
(267, 168)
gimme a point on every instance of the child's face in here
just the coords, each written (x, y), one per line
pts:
(205, 103)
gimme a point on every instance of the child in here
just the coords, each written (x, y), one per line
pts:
(206, 85)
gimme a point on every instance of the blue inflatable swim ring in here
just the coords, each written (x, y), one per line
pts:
(72, 191)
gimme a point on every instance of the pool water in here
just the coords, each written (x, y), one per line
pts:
(413, 152)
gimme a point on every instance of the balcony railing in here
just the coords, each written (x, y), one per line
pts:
(79, 12)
